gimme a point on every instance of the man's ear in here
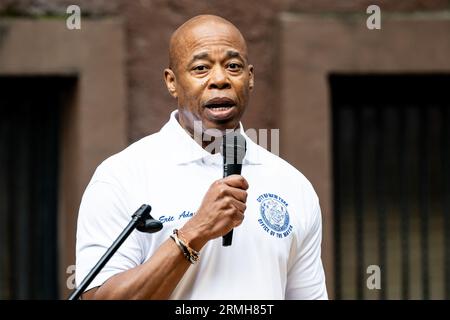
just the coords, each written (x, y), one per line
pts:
(251, 81)
(171, 82)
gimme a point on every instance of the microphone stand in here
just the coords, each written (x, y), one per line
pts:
(143, 221)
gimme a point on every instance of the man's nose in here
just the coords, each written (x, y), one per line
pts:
(219, 79)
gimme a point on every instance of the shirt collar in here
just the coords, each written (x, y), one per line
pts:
(182, 148)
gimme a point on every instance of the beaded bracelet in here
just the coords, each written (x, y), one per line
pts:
(190, 254)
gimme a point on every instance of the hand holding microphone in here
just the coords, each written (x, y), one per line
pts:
(223, 205)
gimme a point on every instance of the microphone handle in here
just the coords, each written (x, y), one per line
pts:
(227, 239)
(228, 170)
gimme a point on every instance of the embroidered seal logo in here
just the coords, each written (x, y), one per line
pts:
(274, 215)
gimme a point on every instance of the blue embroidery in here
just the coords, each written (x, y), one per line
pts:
(185, 214)
(274, 215)
(164, 219)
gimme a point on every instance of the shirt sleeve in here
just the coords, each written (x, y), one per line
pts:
(306, 277)
(102, 217)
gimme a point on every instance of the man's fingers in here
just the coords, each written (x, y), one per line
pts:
(236, 216)
(239, 194)
(238, 205)
(239, 219)
(236, 181)
(236, 193)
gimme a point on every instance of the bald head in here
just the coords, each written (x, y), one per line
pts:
(202, 28)
(209, 73)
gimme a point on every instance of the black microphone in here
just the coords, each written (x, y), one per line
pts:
(233, 152)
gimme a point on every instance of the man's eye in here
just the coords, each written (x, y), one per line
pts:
(200, 68)
(234, 66)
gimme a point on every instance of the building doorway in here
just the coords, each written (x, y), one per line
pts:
(391, 154)
(30, 112)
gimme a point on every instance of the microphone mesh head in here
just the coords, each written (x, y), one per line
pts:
(233, 148)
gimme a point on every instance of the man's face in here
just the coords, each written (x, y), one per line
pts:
(211, 77)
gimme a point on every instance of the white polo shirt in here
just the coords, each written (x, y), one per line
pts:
(275, 252)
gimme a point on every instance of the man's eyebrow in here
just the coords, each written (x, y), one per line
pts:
(234, 54)
(200, 56)
(205, 55)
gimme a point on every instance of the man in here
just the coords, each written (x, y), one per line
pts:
(275, 252)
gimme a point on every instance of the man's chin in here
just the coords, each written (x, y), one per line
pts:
(220, 126)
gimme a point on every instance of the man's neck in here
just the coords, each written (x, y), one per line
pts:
(206, 139)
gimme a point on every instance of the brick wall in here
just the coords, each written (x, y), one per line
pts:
(149, 24)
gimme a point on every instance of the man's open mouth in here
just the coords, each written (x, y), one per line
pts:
(220, 109)
(220, 104)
